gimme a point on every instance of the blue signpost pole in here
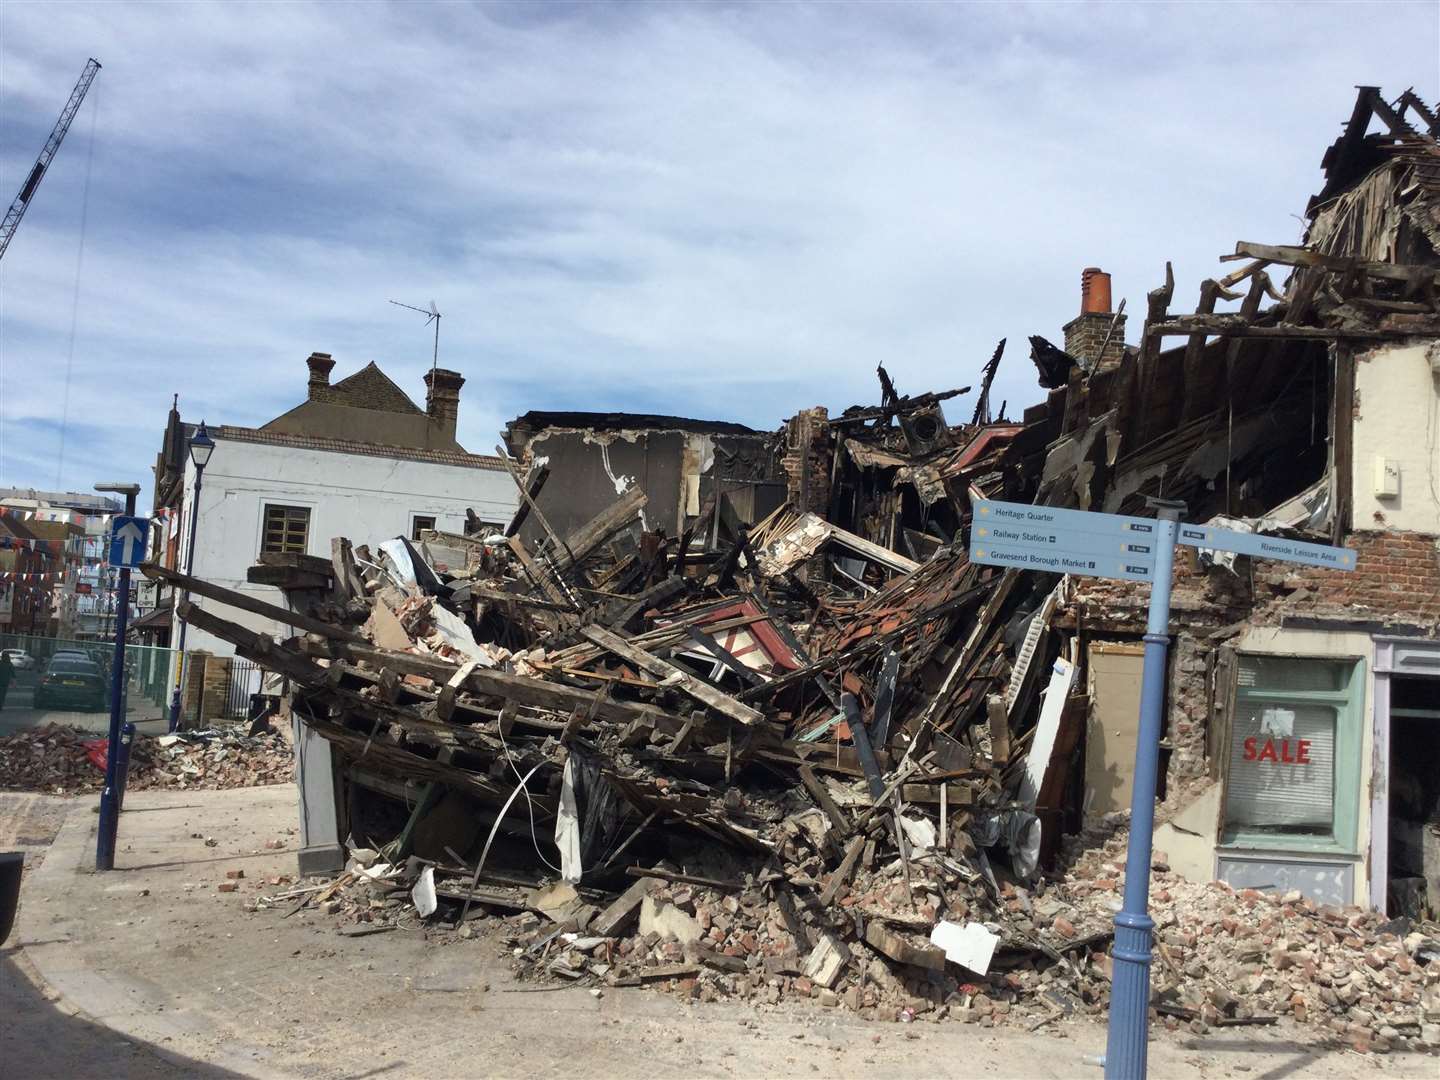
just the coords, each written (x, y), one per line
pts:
(1063, 541)
(122, 767)
(110, 798)
(1127, 1043)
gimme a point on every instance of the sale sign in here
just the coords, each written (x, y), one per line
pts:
(1284, 751)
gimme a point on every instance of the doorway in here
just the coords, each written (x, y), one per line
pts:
(1413, 873)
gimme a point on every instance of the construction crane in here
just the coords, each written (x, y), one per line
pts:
(52, 144)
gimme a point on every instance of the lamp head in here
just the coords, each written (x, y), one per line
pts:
(201, 446)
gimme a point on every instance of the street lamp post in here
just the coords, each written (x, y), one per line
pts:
(201, 447)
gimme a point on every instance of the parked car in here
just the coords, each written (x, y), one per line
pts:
(71, 682)
(20, 660)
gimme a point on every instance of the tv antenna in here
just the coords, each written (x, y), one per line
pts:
(431, 315)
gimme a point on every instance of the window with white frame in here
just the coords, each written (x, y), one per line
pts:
(1293, 773)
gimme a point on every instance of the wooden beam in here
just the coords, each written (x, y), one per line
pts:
(874, 552)
(842, 872)
(245, 602)
(531, 493)
(1236, 326)
(252, 646)
(700, 690)
(529, 501)
(1290, 255)
(600, 528)
(499, 684)
(348, 582)
(485, 592)
(537, 574)
(821, 796)
(999, 729)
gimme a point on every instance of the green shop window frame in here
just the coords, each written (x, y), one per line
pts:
(1349, 704)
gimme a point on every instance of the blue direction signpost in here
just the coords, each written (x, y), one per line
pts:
(1025, 537)
(127, 550)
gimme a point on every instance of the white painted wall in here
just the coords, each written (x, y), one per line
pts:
(1397, 419)
(367, 499)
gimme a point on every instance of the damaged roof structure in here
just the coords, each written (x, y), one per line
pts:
(732, 713)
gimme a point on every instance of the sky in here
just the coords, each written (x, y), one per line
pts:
(727, 211)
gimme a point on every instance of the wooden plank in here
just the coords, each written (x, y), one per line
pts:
(348, 582)
(532, 492)
(500, 596)
(842, 872)
(537, 574)
(822, 797)
(701, 691)
(999, 729)
(287, 578)
(294, 560)
(685, 879)
(1290, 255)
(938, 794)
(499, 684)
(874, 552)
(525, 495)
(252, 646)
(600, 528)
(1235, 326)
(1342, 429)
(246, 602)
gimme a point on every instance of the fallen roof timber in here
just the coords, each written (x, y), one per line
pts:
(700, 690)
(1289, 255)
(1239, 326)
(245, 602)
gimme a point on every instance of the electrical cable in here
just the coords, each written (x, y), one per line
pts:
(484, 854)
(529, 803)
(75, 298)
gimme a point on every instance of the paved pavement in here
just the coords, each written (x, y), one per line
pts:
(44, 1035)
(156, 954)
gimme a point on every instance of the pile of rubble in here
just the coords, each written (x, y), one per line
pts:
(1227, 957)
(759, 760)
(60, 760)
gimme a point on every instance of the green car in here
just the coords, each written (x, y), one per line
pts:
(71, 682)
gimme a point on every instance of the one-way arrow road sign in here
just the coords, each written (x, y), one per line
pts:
(128, 541)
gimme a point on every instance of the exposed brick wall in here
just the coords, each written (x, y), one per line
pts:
(807, 441)
(1396, 580)
(1085, 334)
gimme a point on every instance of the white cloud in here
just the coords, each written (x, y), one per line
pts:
(730, 211)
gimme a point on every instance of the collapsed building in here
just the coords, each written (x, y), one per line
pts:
(707, 674)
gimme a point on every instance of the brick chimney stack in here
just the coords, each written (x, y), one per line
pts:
(1085, 334)
(319, 364)
(442, 398)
